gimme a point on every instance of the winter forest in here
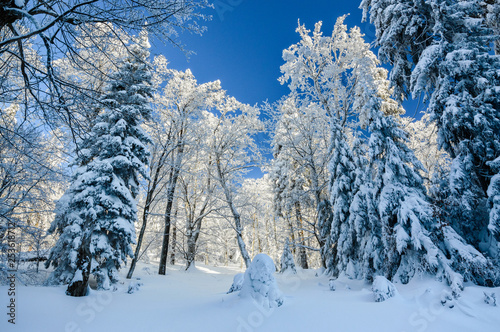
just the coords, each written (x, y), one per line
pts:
(127, 182)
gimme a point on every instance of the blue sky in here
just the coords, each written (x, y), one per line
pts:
(245, 40)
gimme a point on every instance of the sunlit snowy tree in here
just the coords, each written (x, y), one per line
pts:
(330, 74)
(97, 213)
(444, 50)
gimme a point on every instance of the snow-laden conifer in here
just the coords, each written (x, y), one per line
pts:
(287, 261)
(444, 50)
(341, 190)
(95, 217)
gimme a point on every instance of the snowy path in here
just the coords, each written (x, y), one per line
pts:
(196, 301)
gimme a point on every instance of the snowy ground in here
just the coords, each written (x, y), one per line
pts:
(197, 301)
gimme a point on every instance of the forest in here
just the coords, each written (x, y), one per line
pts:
(111, 159)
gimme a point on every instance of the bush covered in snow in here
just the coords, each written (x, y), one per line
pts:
(332, 285)
(237, 283)
(490, 299)
(134, 286)
(383, 289)
(260, 284)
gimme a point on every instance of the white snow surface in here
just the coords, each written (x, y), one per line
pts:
(197, 301)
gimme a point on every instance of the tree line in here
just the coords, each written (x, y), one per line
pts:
(158, 160)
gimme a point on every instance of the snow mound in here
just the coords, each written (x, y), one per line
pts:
(383, 289)
(490, 299)
(260, 284)
(134, 286)
(331, 285)
(237, 283)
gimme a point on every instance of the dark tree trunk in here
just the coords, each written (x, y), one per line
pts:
(168, 221)
(174, 244)
(174, 175)
(302, 250)
(192, 238)
(166, 237)
(79, 288)
(292, 236)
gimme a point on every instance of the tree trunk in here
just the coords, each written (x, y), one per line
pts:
(145, 214)
(166, 237)
(168, 210)
(174, 244)
(236, 217)
(302, 250)
(141, 235)
(78, 287)
(192, 238)
(239, 237)
(292, 235)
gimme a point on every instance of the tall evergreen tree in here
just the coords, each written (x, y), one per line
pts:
(443, 49)
(96, 215)
(341, 193)
(494, 198)
(287, 262)
(401, 234)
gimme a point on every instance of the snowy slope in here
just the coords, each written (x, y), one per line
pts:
(197, 301)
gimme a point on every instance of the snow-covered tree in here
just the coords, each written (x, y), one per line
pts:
(234, 152)
(444, 50)
(299, 168)
(96, 215)
(405, 215)
(287, 262)
(178, 127)
(259, 282)
(422, 140)
(341, 194)
(329, 73)
(402, 33)
(466, 110)
(29, 26)
(198, 196)
(404, 237)
(494, 198)
(29, 181)
(256, 201)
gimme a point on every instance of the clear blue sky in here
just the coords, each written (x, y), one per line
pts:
(244, 41)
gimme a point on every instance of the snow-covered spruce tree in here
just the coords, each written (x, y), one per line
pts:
(494, 197)
(358, 244)
(411, 239)
(287, 262)
(402, 33)
(399, 194)
(466, 109)
(443, 49)
(325, 218)
(96, 215)
(341, 195)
